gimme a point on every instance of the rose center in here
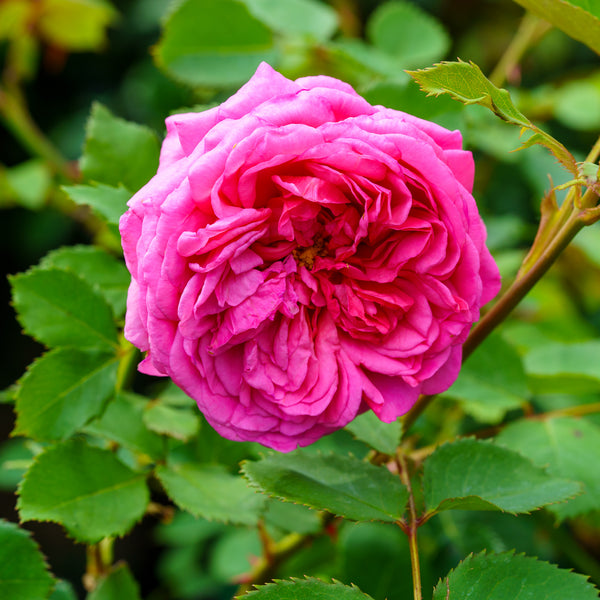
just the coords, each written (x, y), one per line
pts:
(307, 255)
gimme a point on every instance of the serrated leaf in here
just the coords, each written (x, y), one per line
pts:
(308, 18)
(478, 475)
(408, 33)
(209, 491)
(62, 391)
(306, 589)
(119, 584)
(107, 201)
(118, 152)
(580, 19)
(23, 571)
(60, 309)
(569, 368)
(86, 489)
(518, 577)
(566, 447)
(213, 43)
(122, 422)
(384, 437)
(106, 274)
(76, 25)
(178, 423)
(485, 391)
(342, 485)
(465, 82)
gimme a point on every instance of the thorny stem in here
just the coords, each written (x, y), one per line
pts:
(530, 30)
(411, 527)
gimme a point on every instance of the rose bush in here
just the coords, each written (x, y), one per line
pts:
(302, 256)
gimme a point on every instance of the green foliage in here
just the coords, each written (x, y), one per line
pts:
(119, 584)
(307, 18)
(123, 422)
(557, 367)
(566, 447)
(579, 19)
(211, 492)
(103, 272)
(501, 576)
(116, 152)
(485, 392)
(384, 437)
(477, 475)
(213, 42)
(108, 202)
(23, 570)
(62, 391)
(86, 489)
(406, 32)
(59, 309)
(307, 589)
(342, 485)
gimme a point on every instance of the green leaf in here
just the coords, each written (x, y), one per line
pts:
(306, 589)
(107, 201)
(408, 33)
(569, 368)
(518, 577)
(106, 274)
(384, 437)
(566, 447)
(122, 422)
(119, 584)
(59, 309)
(76, 25)
(62, 391)
(212, 493)
(308, 18)
(63, 590)
(580, 19)
(465, 82)
(471, 474)
(118, 152)
(292, 517)
(376, 558)
(30, 183)
(178, 423)
(486, 391)
(23, 571)
(15, 458)
(342, 485)
(213, 43)
(86, 489)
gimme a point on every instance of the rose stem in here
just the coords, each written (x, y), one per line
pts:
(18, 120)
(411, 528)
(570, 220)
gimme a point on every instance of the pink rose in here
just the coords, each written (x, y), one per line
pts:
(302, 256)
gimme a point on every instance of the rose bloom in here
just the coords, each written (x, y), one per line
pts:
(302, 256)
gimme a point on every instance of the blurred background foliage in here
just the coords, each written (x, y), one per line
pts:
(145, 59)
